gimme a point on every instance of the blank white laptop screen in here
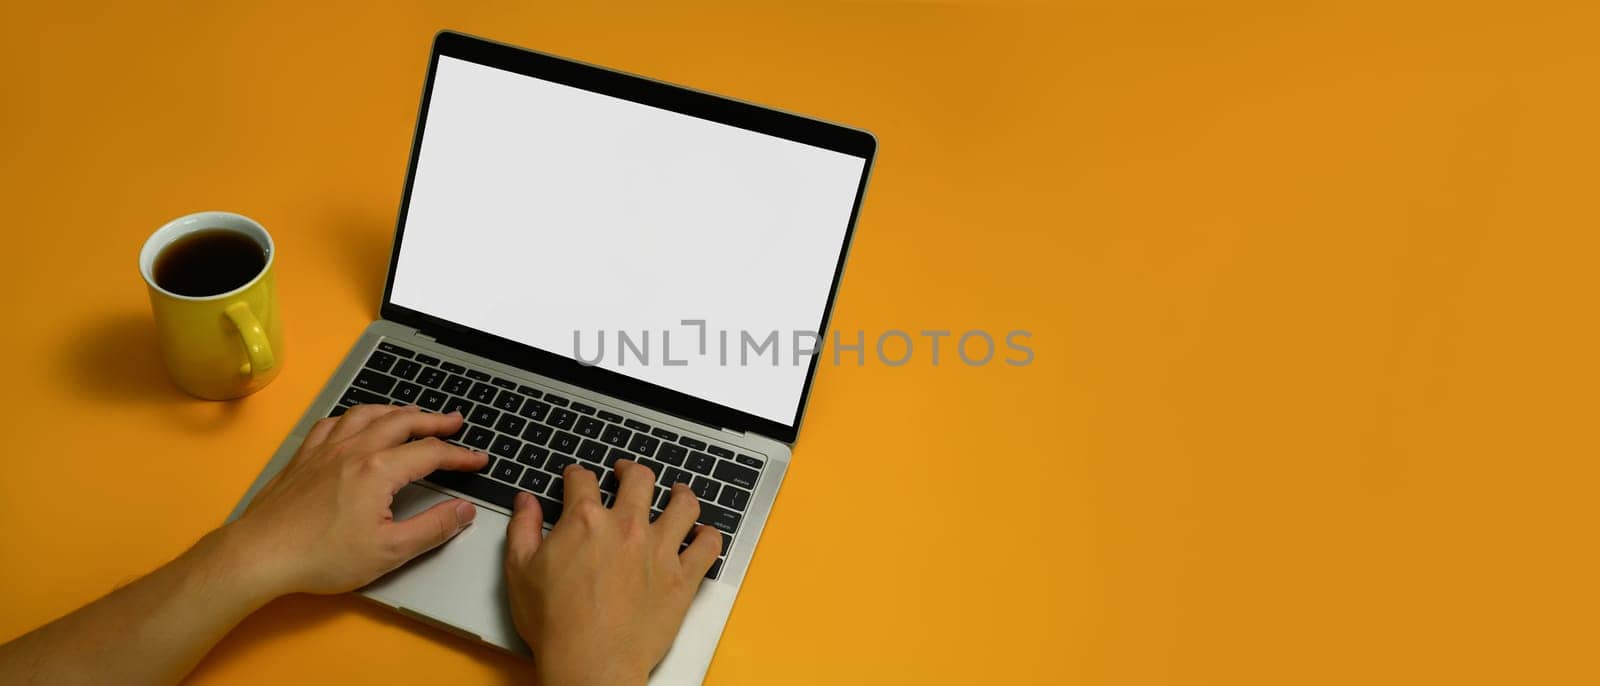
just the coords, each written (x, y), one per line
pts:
(539, 211)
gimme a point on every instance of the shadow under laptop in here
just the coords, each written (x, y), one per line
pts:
(297, 614)
(115, 363)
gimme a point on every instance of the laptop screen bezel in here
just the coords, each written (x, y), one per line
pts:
(657, 94)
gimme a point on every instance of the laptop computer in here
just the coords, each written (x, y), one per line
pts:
(592, 265)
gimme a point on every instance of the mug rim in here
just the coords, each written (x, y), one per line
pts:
(165, 233)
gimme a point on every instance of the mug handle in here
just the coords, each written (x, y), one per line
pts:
(256, 347)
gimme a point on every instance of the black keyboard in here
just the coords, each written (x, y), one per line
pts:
(531, 435)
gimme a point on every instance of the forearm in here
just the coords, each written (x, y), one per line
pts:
(153, 630)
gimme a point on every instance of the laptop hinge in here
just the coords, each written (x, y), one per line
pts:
(424, 336)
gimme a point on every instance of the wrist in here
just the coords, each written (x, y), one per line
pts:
(234, 560)
(604, 678)
(601, 671)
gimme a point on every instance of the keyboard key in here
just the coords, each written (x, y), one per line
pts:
(407, 392)
(720, 451)
(672, 454)
(356, 396)
(564, 442)
(508, 401)
(373, 381)
(491, 491)
(454, 404)
(380, 361)
(554, 399)
(478, 437)
(534, 480)
(674, 475)
(488, 466)
(504, 383)
(506, 446)
(530, 391)
(395, 349)
(562, 419)
(725, 520)
(734, 498)
(704, 489)
(610, 416)
(538, 433)
(615, 435)
(700, 462)
(458, 385)
(557, 490)
(617, 454)
(452, 367)
(663, 434)
(432, 400)
(582, 408)
(510, 424)
(664, 496)
(484, 415)
(716, 569)
(695, 443)
(535, 410)
(338, 411)
(532, 455)
(477, 375)
(482, 392)
(507, 471)
(557, 463)
(598, 471)
(589, 426)
(636, 425)
(643, 444)
(610, 484)
(741, 476)
(427, 359)
(655, 467)
(592, 451)
(749, 461)
(430, 377)
(406, 369)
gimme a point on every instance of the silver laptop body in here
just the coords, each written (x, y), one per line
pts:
(459, 587)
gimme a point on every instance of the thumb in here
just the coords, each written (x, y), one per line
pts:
(526, 530)
(429, 528)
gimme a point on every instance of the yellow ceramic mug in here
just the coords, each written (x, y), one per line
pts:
(217, 346)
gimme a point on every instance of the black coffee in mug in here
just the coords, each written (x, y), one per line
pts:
(209, 262)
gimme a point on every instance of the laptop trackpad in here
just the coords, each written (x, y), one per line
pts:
(460, 584)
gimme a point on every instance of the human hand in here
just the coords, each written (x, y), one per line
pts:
(600, 600)
(323, 524)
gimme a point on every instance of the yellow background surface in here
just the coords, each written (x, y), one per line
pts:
(1311, 286)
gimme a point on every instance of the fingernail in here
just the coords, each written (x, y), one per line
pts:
(464, 513)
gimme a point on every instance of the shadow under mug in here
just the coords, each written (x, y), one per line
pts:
(220, 346)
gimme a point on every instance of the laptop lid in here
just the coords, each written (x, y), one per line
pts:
(665, 246)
